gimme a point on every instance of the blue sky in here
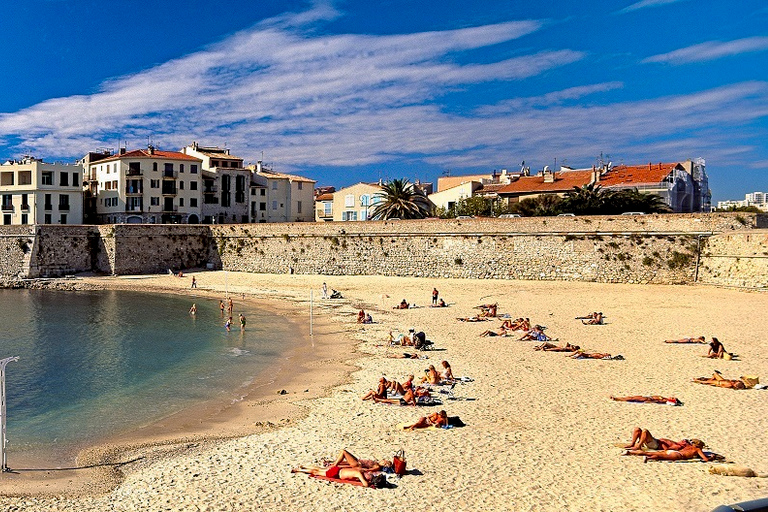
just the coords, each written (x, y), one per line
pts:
(356, 91)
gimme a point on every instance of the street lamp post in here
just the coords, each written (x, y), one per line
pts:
(3, 455)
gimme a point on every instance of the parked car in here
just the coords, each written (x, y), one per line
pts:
(464, 217)
(509, 215)
(633, 213)
(566, 215)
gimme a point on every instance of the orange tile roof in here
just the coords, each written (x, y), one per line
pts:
(325, 197)
(629, 176)
(564, 181)
(157, 153)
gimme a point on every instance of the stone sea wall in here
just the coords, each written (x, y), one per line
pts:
(736, 259)
(627, 249)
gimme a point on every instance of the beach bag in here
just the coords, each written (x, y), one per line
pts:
(398, 463)
(750, 381)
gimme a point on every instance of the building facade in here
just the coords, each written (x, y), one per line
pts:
(36, 192)
(278, 197)
(147, 186)
(356, 202)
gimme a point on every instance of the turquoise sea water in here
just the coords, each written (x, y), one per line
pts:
(94, 364)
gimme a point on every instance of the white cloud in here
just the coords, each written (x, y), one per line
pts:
(646, 3)
(711, 50)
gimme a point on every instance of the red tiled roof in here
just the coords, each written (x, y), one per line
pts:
(325, 197)
(157, 153)
(628, 176)
(563, 182)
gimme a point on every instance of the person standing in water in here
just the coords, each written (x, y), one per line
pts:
(242, 322)
(221, 307)
(228, 324)
(193, 309)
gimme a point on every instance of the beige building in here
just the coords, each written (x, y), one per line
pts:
(278, 197)
(35, 192)
(356, 202)
(226, 184)
(147, 186)
(449, 198)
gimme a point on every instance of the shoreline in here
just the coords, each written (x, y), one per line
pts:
(541, 431)
(96, 468)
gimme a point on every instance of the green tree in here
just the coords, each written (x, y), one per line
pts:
(476, 206)
(745, 209)
(589, 199)
(539, 206)
(632, 200)
(400, 199)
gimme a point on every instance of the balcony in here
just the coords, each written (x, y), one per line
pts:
(170, 175)
(134, 191)
(64, 207)
(211, 190)
(25, 207)
(133, 209)
(134, 172)
(169, 191)
(7, 207)
(169, 209)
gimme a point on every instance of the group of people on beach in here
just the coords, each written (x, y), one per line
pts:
(229, 306)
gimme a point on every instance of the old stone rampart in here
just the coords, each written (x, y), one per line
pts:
(629, 249)
(737, 259)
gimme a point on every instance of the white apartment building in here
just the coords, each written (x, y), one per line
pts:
(757, 199)
(226, 184)
(35, 192)
(147, 186)
(278, 197)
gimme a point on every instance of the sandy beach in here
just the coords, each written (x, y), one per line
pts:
(541, 432)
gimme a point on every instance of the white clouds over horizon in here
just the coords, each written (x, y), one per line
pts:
(711, 50)
(349, 100)
(646, 3)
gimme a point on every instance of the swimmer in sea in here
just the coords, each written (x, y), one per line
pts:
(193, 309)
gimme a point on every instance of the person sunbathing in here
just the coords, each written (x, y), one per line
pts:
(488, 311)
(441, 304)
(472, 319)
(596, 320)
(700, 339)
(501, 331)
(654, 399)
(436, 419)
(716, 349)
(719, 381)
(536, 333)
(448, 375)
(395, 387)
(347, 467)
(551, 347)
(590, 316)
(643, 439)
(431, 376)
(379, 392)
(406, 355)
(403, 305)
(580, 354)
(408, 398)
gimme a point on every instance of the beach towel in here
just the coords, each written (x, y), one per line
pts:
(340, 481)
(403, 426)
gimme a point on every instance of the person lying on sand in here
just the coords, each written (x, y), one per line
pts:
(488, 311)
(580, 354)
(520, 324)
(409, 398)
(654, 399)
(719, 381)
(379, 392)
(700, 339)
(472, 319)
(348, 467)
(590, 316)
(406, 355)
(665, 449)
(501, 331)
(551, 347)
(403, 305)
(597, 320)
(536, 333)
(436, 419)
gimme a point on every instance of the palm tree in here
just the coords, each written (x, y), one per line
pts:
(632, 200)
(589, 199)
(400, 199)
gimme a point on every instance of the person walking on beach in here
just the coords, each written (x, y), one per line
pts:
(325, 291)
(194, 282)
(435, 294)
(242, 322)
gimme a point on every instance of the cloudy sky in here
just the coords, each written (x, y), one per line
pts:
(345, 91)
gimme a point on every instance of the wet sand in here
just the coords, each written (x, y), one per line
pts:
(541, 431)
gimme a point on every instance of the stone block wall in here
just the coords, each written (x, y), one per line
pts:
(736, 259)
(16, 246)
(147, 249)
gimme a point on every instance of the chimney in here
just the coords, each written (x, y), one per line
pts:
(549, 176)
(150, 149)
(122, 151)
(595, 175)
(650, 166)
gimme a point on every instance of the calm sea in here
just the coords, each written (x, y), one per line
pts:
(94, 364)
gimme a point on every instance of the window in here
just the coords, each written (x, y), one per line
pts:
(24, 202)
(154, 166)
(365, 200)
(181, 167)
(6, 178)
(63, 202)
(348, 216)
(193, 168)
(7, 218)
(214, 163)
(154, 201)
(47, 219)
(328, 209)
(168, 167)
(263, 192)
(299, 185)
(181, 201)
(263, 207)
(25, 177)
(64, 179)
(74, 179)
(46, 178)
(274, 205)
(181, 185)
(114, 185)
(298, 207)
(7, 202)
(48, 205)
(154, 183)
(24, 218)
(349, 200)
(193, 202)
(192, 185)
(363, 214)
(274, 185)
(133, 167)
(63, 218)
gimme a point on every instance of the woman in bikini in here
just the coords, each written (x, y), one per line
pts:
(551, 347)
(448, 375)
(432, 375)
(379, 392)
(347, 467)
(719, 381)
(700, 339)
(436, 419)
(655, 399)
(716, 349)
